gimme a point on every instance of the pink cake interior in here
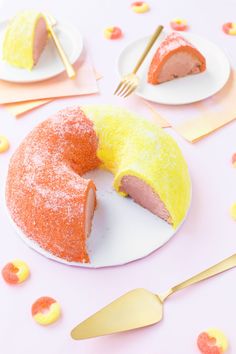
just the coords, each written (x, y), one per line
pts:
(40, 39)
(145, 196)
(90, 206)
(179, 65)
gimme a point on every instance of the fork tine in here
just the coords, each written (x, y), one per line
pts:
(130, 81)
(132, 88)
(118, 87)
(127, 87)
(122, 88)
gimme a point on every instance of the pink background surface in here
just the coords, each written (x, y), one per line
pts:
(207, 236)
(59, 86)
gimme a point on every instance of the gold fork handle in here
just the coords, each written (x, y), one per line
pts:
(68, 66)
(224, 265)
(148, 47)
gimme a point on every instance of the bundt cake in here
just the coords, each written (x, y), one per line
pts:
(50, 201)
(175, 57)
(25, 38)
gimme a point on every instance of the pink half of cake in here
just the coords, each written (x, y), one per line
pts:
(175, 57)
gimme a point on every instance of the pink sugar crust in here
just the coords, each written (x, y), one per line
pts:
(45, 193)
(145, 196)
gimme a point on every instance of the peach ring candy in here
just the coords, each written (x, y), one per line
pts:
(4, 144)
(179, 24)
(229, 28)
(233, 211)
(15, 272)
(233, 160)
(140, 7)
(112, 33)
(46, 310)
(212, 341)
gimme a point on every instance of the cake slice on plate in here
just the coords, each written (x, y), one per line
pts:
(25, 38)
(175, 57)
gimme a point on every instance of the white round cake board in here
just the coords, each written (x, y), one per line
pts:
(122, 230)
(189, 89)
(49, 64)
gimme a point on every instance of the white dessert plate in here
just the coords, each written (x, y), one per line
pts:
(122, 230)
(184, 90)
(49, 64)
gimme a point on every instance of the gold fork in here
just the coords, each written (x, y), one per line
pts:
(130, 82)
(51, 22)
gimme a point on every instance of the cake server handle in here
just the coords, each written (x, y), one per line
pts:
(218, 268)
(68, 66)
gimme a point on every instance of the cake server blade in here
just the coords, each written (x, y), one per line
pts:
(137, 308)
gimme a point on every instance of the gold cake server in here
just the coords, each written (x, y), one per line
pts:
(138, 308)
(51, 22)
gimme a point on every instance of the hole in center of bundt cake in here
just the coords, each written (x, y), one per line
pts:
(144, 195)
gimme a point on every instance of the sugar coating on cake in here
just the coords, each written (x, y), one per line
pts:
(45, 193)
(51, 202)
(175, 57)
(132, 146)
(25, 38)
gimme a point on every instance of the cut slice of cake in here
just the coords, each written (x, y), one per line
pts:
(175, 57)
(25, 39)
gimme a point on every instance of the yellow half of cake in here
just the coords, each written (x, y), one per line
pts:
(25, 38)
(132, 146)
